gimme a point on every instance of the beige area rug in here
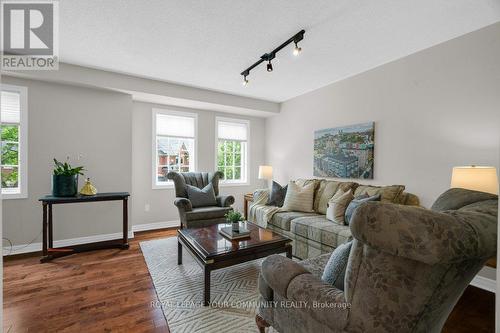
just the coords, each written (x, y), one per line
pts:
(180, 291)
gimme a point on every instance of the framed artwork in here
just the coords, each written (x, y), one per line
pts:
(345, 152)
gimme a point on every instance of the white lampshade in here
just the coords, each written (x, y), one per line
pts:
(477, 178)
(265, 172)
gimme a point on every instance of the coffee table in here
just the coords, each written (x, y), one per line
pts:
(212, 251)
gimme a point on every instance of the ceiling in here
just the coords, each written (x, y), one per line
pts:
(207, 44)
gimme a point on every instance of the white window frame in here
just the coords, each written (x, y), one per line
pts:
(23, 144)
(245, 167)
(156, 111)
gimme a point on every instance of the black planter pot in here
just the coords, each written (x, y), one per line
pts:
(64, 186)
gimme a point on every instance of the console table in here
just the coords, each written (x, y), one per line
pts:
(48, 250)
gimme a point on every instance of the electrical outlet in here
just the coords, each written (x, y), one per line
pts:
(147, 207)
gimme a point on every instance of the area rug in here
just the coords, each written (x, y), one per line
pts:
(180, 291)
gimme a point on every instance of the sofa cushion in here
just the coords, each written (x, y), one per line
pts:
(316, 265)
(201, 197)
(282, 220)
(338, 205)
(387, 193)
(205, 213)
(326, 190)
(299, 198)
(319, 229)
(356, 202)
(277, 195)
(335, 268)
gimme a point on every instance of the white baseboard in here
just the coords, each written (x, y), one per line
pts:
(35, 247)
(484, 283)
(155, 225)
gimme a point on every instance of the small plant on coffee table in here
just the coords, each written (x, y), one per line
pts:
(234, 217)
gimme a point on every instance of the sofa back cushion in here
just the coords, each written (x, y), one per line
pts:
(387, 193)
(326, 190)
(299, 198)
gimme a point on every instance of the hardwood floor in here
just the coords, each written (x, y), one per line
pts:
(111, 291)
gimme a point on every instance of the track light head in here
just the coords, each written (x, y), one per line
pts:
(269, 66)
(296, 50)
(245, 81)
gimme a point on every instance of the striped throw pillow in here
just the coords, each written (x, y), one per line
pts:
(298, 198)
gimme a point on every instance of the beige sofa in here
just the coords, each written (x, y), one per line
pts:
(312, 234)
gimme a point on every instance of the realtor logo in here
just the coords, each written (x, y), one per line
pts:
(29, 35)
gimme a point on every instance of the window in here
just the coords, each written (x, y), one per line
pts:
(232, 149)
(174, 144)
(14, 139)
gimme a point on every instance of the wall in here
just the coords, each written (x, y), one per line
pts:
(432, 110)
(161, 200)
(67, 120)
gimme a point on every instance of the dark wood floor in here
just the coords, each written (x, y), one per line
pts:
(111, 291)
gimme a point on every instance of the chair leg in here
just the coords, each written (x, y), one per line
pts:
(261, 323)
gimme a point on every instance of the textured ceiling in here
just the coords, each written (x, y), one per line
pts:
(208, 43)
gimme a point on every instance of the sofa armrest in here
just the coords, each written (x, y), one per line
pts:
(225, 200)
(183, 204)
(279, 271)
(414, 233)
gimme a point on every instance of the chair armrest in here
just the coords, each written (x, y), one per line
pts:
(414, 233)
(279, 271)
(225, 200)
(184, 204)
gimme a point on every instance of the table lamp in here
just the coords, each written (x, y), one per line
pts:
(477, 178)
(265, 172)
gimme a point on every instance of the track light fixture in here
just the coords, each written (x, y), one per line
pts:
(269, 66)
(271, 55)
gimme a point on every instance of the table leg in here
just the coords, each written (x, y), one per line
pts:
(289, 251)
(51, 230)
(179, 253)
(44, 228)
(125, 223)
(206, 294)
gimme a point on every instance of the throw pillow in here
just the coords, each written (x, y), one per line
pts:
(356, 202)
(277, 195)
(387, 193)
(336, 266)
(298, 198)
(326, 190)
(337, 206)
(201, 197)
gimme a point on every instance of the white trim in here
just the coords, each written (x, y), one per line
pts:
(23, 142)
(247, 122)
(155, 111)
(35, 247)
(484, 283)
(156, 225)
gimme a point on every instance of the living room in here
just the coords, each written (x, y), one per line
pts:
(340, 101)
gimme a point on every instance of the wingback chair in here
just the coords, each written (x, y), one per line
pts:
(407, 268)
(192, 217)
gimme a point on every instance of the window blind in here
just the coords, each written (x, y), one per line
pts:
(232, 131)
(10, 107)
(178, 126)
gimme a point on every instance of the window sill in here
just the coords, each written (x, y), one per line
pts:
(9, 196)
(223, 184)
(163, 187)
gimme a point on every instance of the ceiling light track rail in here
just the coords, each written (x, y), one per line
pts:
(271, 55)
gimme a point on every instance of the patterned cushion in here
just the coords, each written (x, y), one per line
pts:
(387, 193)
(319, 229)
(282, 220)
(277, 195)
(316, 265)
(299, 198)
(326, 190)
(201, 197)
(334, 272)
(355, 204)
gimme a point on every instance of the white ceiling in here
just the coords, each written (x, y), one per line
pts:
(208, 43)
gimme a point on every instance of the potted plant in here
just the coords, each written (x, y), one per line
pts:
(234, 217)
(65, 179)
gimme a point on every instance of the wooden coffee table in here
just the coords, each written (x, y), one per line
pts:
(212, 251)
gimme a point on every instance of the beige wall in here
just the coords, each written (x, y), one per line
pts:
(66, 120)
(432, 110)
(160, 201)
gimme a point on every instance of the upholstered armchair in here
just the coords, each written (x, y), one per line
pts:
(407, 268)
(192, 217)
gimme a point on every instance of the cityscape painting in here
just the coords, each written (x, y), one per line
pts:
(345, 152)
